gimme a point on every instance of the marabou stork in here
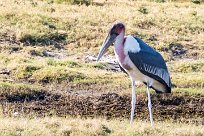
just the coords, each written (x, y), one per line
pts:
(140, 61)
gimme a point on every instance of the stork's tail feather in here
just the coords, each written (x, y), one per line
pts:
(167, 90)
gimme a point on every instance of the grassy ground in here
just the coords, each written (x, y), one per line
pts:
(43, 49)
(80, 127)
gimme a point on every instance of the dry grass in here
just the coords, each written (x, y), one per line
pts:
(64, 71)
(31, 28)
(175, 22)
(79, 127)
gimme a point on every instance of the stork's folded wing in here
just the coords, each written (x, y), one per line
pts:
(151, 63)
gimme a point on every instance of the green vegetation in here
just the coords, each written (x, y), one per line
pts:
(188, 66)
(70, 64)
(66, 32)
(7, 88)
(143, 10)
(43, 49)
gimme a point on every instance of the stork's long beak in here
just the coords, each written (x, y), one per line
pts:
(108, 41)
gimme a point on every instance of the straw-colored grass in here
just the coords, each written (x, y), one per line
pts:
(89, 127)
(31, 29)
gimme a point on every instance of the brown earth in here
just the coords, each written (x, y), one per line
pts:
(176, 107)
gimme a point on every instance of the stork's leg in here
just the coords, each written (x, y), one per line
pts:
(133, 102)
(149, 105)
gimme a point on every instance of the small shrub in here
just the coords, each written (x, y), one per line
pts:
(25, 71)
(196, 1)
(143, 10)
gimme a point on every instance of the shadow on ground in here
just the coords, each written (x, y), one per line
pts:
(58, 40)
(55, 39)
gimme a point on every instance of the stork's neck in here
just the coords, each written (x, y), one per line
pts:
(119, 46)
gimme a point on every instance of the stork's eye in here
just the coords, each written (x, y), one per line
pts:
(114, 33)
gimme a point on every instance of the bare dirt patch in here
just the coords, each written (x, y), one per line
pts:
(8, 38)
(177, 107)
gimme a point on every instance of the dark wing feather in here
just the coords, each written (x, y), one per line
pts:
(151, 63)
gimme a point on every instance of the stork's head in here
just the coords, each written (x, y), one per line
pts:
(116, 29)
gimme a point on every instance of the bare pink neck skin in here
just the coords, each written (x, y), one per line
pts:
(119, 46)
